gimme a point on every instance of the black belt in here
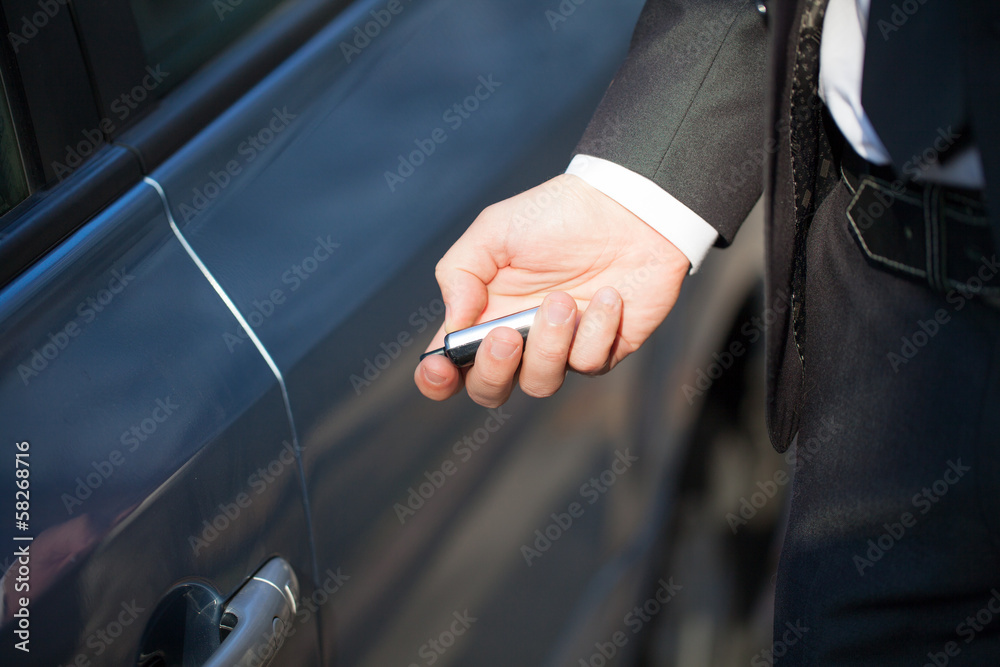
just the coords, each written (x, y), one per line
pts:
(935, 234)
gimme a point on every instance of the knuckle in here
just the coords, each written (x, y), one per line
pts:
(442, 274)
(589, 366)
(550, 355)
(486, 401)
(537, 389)
(488, 395)
(490, 383)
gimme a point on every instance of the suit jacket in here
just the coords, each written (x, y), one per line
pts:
(718, 103)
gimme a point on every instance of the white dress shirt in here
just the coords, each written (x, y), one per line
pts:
(842, 55)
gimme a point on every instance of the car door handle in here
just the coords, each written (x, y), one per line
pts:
(258, 617)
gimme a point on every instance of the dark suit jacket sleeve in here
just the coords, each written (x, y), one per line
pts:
(686, 109)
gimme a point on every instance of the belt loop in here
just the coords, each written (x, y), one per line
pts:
(934, 235)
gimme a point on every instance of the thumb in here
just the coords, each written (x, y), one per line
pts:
(464, 273)
(465, 297)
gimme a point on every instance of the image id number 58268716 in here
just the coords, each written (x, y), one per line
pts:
(22, 560)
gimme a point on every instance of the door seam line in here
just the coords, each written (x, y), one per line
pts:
(231, 305)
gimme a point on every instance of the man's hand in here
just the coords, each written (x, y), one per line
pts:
(604, 279)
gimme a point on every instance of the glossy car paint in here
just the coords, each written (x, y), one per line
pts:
(142, 429)
(286, 203)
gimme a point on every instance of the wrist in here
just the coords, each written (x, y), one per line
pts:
(658, 209)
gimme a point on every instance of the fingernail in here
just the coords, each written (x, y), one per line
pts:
(501, 349)
(557, 313)
(433, 377)
(608, 297)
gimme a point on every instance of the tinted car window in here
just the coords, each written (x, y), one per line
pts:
(182, 35)
(13, 184)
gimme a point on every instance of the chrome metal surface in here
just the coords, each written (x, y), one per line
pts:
(461, 346)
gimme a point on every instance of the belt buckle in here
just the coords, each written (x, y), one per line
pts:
(886, 232)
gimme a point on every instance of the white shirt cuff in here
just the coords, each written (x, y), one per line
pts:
(650, 203)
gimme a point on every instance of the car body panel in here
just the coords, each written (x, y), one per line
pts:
(139, 432)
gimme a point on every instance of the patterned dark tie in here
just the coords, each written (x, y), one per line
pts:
(812, 162)
(913, 87)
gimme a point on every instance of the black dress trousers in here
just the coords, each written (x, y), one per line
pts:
(892, 555)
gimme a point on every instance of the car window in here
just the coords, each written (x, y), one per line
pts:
(91, 93)
(13, 182)
(182, 35)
